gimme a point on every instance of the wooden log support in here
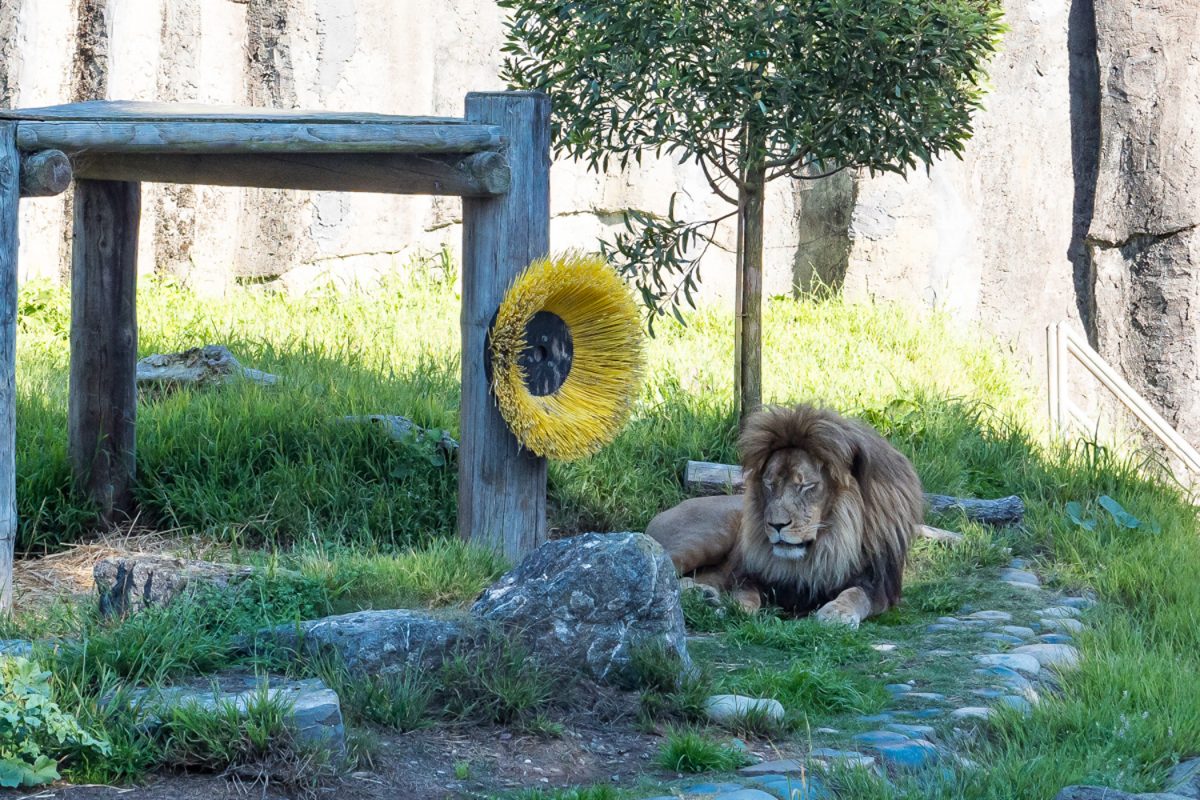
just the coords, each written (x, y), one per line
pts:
(476, 175)
(502, 488)
(10, 193)
(259, 137)
(102, 403)
(45, 173)
(704, 477)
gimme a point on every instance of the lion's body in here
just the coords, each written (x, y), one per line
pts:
(824, 525)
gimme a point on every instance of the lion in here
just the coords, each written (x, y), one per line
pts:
(825, 523)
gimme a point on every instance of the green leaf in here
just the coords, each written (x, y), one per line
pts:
(1075, 512)
(1118, 513)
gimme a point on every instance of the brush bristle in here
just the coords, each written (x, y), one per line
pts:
(593, 404)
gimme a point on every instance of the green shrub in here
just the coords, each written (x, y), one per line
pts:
(497, 680)
(687, 750)
(34, 731)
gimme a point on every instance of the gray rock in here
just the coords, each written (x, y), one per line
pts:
(400, 429)
(199, 367)
(587, 601)
(746, 794)
(911, 730)
(1059, 612)
(1017, 630)
(911, 754)
(131, 583)
(783, 766)
(1018, 659)
(1008, 677)
(1003, 638)
(1055, 638)
(724, 708)
(1082, 603)
(992, 616)
(373, 642)
(15, 647)
(897, 688)
(1185, 779)
(1059, 656)
(970, 712)
(315, 709)
(842, 758)
(1062, 625)
(1091, 793)
(712, 788)
(1019, 576)
(875, 738)
(1016, 701)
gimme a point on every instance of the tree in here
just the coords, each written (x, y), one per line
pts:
(752, 91)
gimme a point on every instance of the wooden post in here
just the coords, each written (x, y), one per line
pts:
(501, 488)
(102, 405)
(10, 193)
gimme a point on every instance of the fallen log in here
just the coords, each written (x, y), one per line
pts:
(704, 477)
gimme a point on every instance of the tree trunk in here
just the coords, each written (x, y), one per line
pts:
(748, 314)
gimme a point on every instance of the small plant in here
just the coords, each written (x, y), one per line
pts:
(689, 751)
(398, 700)
(497, 680)
(462, 770)
(812, 686)
(837, 644)
(34, 731)
(701, 616)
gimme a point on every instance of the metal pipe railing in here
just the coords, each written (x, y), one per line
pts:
(1063, 344)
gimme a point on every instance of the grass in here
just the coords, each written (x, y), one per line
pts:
(687, 750)
(365, 520)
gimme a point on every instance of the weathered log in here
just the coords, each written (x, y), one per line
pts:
(102, 399)
(502, 487)
(708, 478)
(10, 193)
(477, 175)
(257, 137)
(45, 173)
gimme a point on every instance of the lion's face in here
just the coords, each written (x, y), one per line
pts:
(795, 495)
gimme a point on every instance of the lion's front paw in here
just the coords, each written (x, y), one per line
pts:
(834, 613)
(711, 594)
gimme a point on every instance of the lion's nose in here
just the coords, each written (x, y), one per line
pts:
(779, 526)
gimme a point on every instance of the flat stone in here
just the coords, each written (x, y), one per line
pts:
(1022, 585)
(1091, 793)
(129, 584)
(796, 787)
(970, 712)
(897, 688)
(712, 788)
(933, 697)
(924, 713)
(1009, 677)
(1019, 576)
(372, 642)
(1016, 701)
(1059, 612)
(1017, 659)
(843, 758)
(1004, 638)
(1055, 638)
(876, 738)
(993, 616)
(990, 694)
(746, 794)
(1185, 779)
(724, 708)
(910, 730)
(586, 602)
(949, 620)
(315, 709)
(784, 766)
(1018, 563)
(1017, 630)
(1082, 603)
(1059, 656)
(875, 719)
(15, 647)
(910, 754)
(942, 627)
(1062, 625)
(883, 647)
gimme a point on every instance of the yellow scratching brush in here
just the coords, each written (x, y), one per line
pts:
(566, 356)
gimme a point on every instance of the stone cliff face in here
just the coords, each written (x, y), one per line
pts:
(1073, 201)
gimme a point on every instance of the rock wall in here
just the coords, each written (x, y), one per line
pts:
(387, 56)
(1073, 201)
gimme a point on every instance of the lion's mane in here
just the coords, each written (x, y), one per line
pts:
(874, 504)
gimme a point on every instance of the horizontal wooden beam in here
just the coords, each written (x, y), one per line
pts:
(256, 137)
(45, 174)
(483, 174)
(706, 477)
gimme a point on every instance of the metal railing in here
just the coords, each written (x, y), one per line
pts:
(1063, 345)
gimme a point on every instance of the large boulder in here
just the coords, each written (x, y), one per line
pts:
(372, 642)
(586, 602)
(128, 584)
